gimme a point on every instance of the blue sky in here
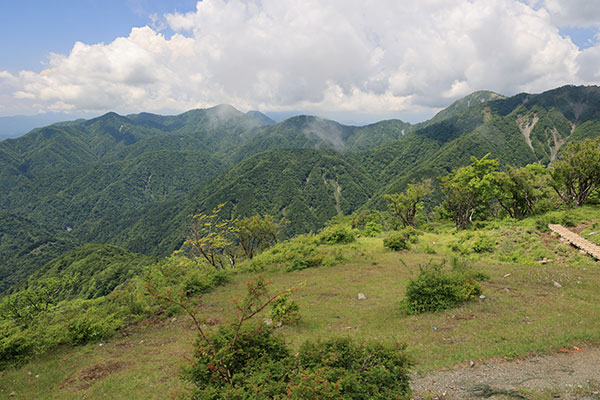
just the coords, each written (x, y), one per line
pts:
(32, 29)
(353, 60)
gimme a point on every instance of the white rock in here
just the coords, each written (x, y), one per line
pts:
(556, 284)
(361, 296)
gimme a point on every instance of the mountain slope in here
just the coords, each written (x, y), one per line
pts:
(25, 245)
(136, 180)
(307, 187)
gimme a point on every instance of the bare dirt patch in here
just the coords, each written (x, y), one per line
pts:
(85, 378)
(565, 375)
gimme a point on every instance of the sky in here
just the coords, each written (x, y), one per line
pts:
(355, 61)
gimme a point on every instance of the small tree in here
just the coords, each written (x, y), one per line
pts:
(577, 174)
(255, 233)
(211, 237)
(468, 189)
(222, 356)
(520, 190)
(405, 206)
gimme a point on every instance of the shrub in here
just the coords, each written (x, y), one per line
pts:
(341, 369)
(372, 229)
(484, 244)
(436, 289)
(336, 234)
(285, 310)
(204, 280)
(396, 241)
(294, 254)
(90, 329)
(15, 345)
(241, 361)
(400, 240)
(262, 367)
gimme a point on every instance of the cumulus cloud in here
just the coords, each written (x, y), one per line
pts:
(579, 13)
(367, 56)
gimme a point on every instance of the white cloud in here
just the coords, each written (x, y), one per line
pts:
(579, 13)
(369, 56)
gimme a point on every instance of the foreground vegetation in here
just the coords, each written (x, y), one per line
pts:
(524, 310)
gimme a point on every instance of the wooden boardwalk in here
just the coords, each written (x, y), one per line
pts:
(576, 240)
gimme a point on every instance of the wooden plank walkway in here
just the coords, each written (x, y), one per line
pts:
(576, 240)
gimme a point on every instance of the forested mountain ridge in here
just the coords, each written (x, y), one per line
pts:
(135, 180)
(25, 245)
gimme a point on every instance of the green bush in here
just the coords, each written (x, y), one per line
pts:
(15, 345)
(372, 229)
(336, 234)
(341, 369)
(90, 329)
(400, 240)
(396, 241)
(436, 289)
(285, 310)
(204, 280)
(294, 255)
(484, 244)
(256, 363)
(262, 367)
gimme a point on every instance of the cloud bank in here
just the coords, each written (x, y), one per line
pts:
(366, 57)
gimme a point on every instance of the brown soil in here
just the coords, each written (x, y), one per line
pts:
(566, 375)
(85, 378)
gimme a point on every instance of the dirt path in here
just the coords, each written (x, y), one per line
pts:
(574, 375)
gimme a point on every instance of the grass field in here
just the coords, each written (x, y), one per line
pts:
(542, 295)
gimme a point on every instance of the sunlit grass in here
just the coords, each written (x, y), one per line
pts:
(523, 312)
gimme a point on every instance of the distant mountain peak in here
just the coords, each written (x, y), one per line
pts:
(224, 111)
(260, 117)
(471, 100)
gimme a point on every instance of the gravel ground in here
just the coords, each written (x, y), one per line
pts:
(574, 375)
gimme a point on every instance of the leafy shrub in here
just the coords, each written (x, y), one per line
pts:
(262, 367)
(436, 289)
(396, 241)
(285, 310)
(372, 229)
(90, 329)
(400, 240)
(241, 361)
(302, 262)
(336, 234)
(255, 351)
(204, 280)
(340, 369)
(294, 254)
(484, 244)
(15, 345)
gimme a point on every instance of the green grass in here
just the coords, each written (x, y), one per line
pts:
(523, 312)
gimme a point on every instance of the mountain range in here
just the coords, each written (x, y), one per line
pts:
(135, 180)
